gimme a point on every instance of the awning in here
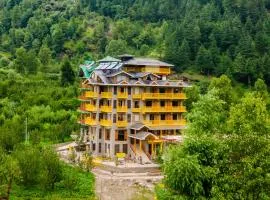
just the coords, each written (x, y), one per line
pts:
(172, 138)
(143, 135)
(138, 126)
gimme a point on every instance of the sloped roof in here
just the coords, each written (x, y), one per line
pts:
(146, 61)
(87, 68)
(119, 72)
(109, 66)
(142, 135)
(109, 59)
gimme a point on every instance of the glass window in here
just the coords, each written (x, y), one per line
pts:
(162, 116)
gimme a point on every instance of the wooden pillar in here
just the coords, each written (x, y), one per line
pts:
(140, 145)
(135, 144)
(161, 146)
(152, 147)
(135, 141)
(174, 131)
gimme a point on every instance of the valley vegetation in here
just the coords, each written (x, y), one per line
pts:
(42, 43)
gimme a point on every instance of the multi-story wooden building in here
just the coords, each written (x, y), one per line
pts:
(128, 105)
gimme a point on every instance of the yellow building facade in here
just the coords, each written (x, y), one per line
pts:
(130, 106)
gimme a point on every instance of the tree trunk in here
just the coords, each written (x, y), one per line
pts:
(9, 188)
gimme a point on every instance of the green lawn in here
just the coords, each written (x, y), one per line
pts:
(79, 185)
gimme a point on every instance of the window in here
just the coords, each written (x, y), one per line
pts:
(94, 146)
(122, 90)
(174, 116)
(114, 103)
(162, 103)
(152, 117)
(100, 134)
(161, 90)
(105, 147)
(114, 90)
(129, 103)
(129, 118)
(99, 147)
(107, 134)
(136, 118)
(148, 103)
(121, 135)
(176, 90)
(175, 103)
(162, 116)
(125, 148)
(114, 118)
(129, 90)
(136, 104)
(117, 148)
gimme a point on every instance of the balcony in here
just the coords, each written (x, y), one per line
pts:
(172, 96)
(85, 86)
(83, 98)
(91, 94)
(122, 123)
(106, 108)
(158, 109)
(106, 122)
(137, 96)
(156, 70)
(123, 95)
(106, 95)
(89, 121)
(90, 107)
(153, 123)
(122, 109)
(136, 110)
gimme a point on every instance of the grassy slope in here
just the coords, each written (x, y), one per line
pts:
(84, 188)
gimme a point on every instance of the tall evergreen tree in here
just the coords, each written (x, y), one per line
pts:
(67, 73)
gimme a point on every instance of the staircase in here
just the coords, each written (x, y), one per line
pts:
(139, 153)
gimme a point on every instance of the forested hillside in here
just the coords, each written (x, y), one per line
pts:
(209, 37)
(42, 43)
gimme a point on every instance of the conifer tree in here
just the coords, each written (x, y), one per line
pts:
(67, 74)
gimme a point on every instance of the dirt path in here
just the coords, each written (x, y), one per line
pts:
(124, 186)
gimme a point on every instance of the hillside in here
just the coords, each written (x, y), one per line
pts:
(42, 43)
(208, 37)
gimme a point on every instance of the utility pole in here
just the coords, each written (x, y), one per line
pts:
(26, 132)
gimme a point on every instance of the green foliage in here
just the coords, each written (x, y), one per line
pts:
(67, 74)
(212, 37)
(225, 154)
(9, 172)
(52, 168)
(207, 114)
(29, 161)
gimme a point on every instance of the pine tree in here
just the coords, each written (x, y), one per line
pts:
(204, 61)
(67, 74)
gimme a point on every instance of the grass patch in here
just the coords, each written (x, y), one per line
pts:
(78, 185)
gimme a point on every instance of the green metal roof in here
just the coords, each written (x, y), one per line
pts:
(88, 67)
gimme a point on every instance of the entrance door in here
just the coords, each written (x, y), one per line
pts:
(150, 148)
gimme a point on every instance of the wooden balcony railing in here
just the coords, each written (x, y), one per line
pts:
(136, 110)
(106, 122)
(181, 122)
(137, 96)
(121, 123)
(90, 94)
(173, 96)
(106, 108)
(90, 121)
(123, 95)
(90, 107)
(122, 109)
(106, 95)
(158, 109)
